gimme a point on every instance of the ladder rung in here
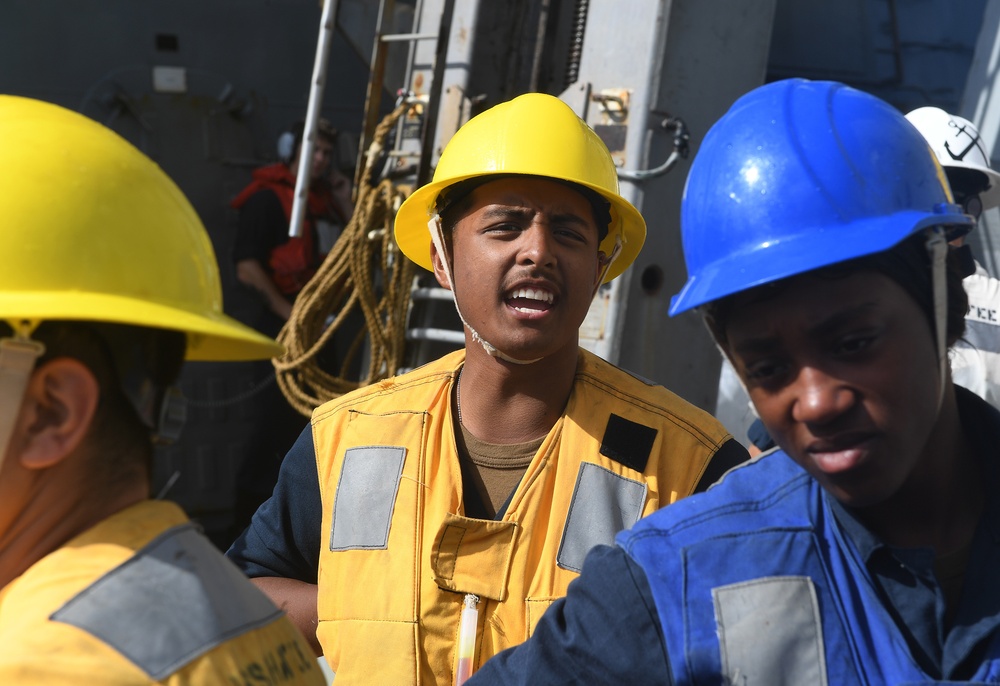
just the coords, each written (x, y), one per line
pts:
(431, 294)
(402, 37)
(442, 335)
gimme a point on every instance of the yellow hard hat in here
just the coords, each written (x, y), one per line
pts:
(536, 135)
(95, 231)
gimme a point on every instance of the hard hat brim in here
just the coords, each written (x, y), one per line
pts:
(989, 197)
(780, 260)
(414, 240)
(212, 337)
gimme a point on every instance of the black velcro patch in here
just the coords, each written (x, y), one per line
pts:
(627, 442)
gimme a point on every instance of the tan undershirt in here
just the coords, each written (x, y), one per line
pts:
(494, 470)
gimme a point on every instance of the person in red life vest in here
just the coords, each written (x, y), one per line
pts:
(267, 260)
(275, 267)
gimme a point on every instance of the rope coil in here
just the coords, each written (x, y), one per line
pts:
(365, 270)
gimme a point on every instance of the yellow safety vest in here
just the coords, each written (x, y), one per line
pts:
(144, 598)
(399, 556)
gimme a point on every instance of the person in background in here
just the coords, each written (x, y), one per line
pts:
(276, 267)
(975, 358)
(269, 261)
(424, 523)
(104, 291)
(863, 550)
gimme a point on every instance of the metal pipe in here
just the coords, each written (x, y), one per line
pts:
(434, 97)
(681, 139)
(540, 33)
(432, 334)
(302, 177)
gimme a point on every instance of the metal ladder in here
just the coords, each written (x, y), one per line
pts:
(432, 324)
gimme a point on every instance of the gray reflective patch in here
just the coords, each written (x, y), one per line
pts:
(982, 335)
(770, 632)
(603, 504)
(175, 600)
(366, 495)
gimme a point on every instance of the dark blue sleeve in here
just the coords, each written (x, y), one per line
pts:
(283, 538)
(729, 455)
(605, 631)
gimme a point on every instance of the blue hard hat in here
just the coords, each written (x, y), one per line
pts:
(799, 175)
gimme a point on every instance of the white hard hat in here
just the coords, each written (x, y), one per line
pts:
(958, 145)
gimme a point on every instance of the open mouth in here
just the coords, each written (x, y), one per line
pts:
(530, 300)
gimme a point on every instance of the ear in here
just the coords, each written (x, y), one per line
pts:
(58, 410)
(437, 261)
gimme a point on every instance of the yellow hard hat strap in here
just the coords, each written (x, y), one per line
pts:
(17, 361)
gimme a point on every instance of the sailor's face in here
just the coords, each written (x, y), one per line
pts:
(526, 265)
(843, 373)
(322, 156)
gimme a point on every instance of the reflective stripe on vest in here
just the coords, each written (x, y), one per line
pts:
(770, 632)
(189, 598)
(366, 496)
(603, 504)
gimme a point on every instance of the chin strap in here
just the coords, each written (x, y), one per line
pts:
(17, 360)
(937, 246)
(615, 252)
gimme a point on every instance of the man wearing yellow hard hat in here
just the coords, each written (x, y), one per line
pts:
(457, 501)
(105, 289)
